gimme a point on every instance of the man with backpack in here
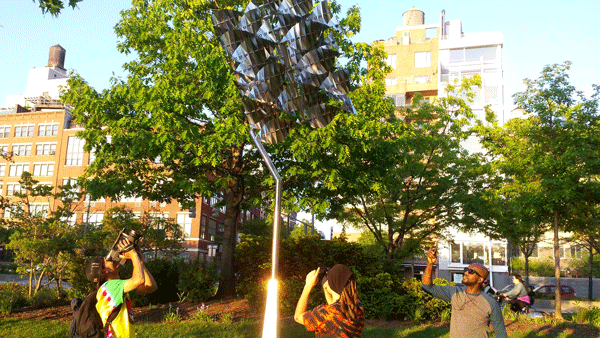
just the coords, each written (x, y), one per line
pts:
(106, 312)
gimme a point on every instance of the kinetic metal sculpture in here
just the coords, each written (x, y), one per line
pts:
(283, 53)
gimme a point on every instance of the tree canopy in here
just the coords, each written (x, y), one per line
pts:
(548, 155)
(54, 7)
(399, 173)
(175, 127)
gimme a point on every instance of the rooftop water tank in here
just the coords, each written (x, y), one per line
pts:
(57, 57)
(413, 17)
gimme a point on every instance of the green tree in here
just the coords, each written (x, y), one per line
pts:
(175, 127)
(402, 175)
(547, 154)
(585, 224)
(514, 218)
(42, 239)
(55, 6)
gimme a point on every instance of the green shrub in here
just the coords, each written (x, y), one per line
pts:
(429, 306)
(198, 280)
(45, 298)
(537, 267)
(12, 297)
(8, 268)
(290, 290)
(588, 315)
(166, 274)
(381, 296)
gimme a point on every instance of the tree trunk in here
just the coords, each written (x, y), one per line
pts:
(233, 197)
(30, 279)
(591, 273)
(557, 304)
(527, 271)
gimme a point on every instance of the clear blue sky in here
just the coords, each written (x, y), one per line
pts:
(536, 33)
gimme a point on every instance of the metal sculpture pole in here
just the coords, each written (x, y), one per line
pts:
(271, 315)
(276, 226)
(283, 54)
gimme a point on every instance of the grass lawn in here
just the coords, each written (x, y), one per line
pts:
(59, 329)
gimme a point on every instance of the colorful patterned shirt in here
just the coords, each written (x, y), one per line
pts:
(110, 297)
(328, 322)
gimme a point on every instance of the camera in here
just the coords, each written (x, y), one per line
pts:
(322, 272)
(114, 252)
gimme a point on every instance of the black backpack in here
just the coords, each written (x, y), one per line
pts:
(86, 321)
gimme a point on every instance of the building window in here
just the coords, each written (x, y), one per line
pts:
(38, 210)
(421, 79)
(391, 60)
(93, 218)
(498, 254)
(399, 100)
(74, 151)
(24, 130)
(70, 187)
(21, 149)
(576, 250)
(455, 252)
(212, 227)
(48, 129)
(10, 211)
(4, 149)
(45, 149)
(2, 169)
(43, 169)
(391, 82)
(474, 253)
(16, 170)
(71, 220)
(185, 222)
(473, 54)
(4, 131)
(491, 94)
(130, 199)
(203, 226)
(422, 59)
(12, 188)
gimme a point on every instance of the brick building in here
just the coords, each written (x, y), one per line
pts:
(40, 133)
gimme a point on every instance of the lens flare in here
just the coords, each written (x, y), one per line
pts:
(270, 322)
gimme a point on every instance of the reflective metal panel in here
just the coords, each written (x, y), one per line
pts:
(284, 58)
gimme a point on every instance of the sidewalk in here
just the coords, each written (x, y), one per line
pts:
(567, 306)
(25, 280)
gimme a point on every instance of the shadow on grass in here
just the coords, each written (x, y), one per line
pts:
(564, 330)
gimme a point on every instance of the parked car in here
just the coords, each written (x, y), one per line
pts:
(548, 291)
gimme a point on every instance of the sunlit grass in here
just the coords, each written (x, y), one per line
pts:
(10, 328)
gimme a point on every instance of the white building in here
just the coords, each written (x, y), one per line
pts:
(468, 54)
(43, 83)
(465, 55)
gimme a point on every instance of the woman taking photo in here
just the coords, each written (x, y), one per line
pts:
(343, 315)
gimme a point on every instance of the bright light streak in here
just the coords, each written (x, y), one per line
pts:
(270, 322)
